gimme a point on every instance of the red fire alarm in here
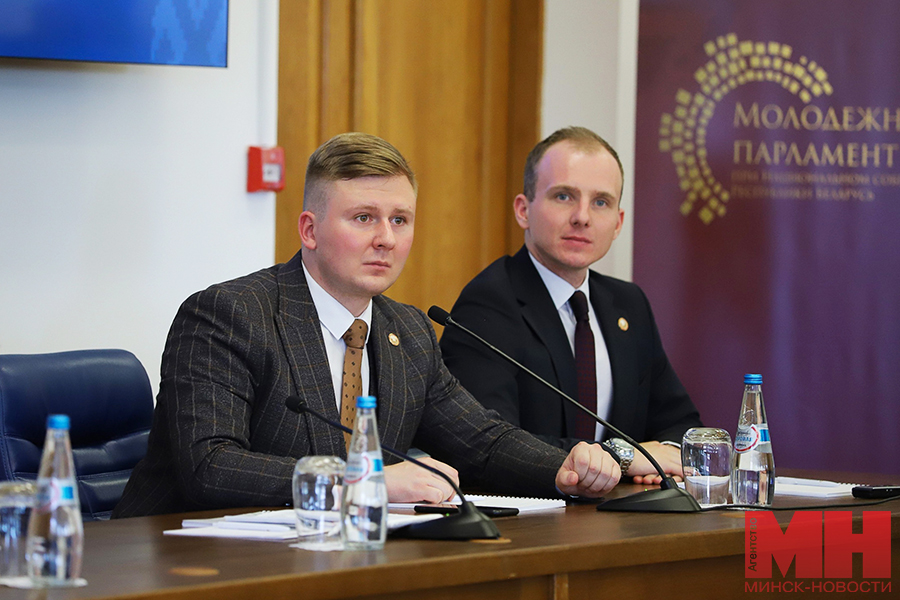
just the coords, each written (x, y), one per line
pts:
(265, 169)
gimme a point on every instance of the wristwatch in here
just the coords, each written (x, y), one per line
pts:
(625, 451)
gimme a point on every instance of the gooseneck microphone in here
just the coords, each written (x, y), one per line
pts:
(669, 498)
(467, 524)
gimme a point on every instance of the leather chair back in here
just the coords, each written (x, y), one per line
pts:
(108, 398)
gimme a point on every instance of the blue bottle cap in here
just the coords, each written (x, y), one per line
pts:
(752, 379)
(58, 422)
(365, 402)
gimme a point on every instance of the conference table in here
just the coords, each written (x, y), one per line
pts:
(561, 554)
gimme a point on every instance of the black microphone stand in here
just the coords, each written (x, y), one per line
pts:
(669, 498)
(467, 524)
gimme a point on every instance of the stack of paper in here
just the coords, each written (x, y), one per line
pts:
(812, 488)
(273, 525)
(523, 504)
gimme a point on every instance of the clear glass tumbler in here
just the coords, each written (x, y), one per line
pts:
(706, 460)
(16, 501)
(317, 502)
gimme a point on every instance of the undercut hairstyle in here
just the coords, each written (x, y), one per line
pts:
(581, 137)
(351, 156)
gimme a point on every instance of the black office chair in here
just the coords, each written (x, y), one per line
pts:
(106, 394)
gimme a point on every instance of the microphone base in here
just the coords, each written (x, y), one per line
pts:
(663, 501)
(468, 524)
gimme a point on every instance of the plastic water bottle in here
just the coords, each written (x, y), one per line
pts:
(55, 532)
(753, 466)
(364, 499)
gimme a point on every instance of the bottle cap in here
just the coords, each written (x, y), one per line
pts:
(57, 421)
(752, 379)
(365, 402)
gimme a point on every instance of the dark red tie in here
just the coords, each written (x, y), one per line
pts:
(585, 366)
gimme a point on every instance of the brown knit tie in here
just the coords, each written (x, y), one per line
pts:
(351, 383)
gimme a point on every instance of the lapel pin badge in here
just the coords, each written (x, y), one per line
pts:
(623, 324)
(393, 339)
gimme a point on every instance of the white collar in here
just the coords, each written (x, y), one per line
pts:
(560, 289)
(333, 315)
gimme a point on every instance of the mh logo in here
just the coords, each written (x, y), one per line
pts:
(822, 543)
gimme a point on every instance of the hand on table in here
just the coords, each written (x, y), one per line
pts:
(588, 471)
(407, 482)
(668, 457)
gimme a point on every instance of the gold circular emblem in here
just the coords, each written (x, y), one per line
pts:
(623, 324)
(393, 339)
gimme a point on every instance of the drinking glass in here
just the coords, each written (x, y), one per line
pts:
(317, 502)
(706, 460)
(16, 501)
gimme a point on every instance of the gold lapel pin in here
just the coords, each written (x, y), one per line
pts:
(623, 324)
(393, 339)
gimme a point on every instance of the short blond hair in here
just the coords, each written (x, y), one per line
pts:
(581, 137)
(351, 156)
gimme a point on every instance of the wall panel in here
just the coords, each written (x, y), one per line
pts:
(442, 81)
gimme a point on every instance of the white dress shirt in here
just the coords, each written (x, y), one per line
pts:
(560, 292)
(335, 320)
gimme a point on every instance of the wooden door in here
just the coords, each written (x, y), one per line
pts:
(453, 84)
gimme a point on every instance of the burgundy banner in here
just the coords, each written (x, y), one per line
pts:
(767, 215)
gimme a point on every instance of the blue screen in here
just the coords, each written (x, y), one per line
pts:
(165, 32)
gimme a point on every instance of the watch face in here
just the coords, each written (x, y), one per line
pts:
(623, 447)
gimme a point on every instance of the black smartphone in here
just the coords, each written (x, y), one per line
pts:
(491, 511)
(876, 492)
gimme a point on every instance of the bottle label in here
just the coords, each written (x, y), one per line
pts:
(361, 467)
(53, 493)
(752, 437)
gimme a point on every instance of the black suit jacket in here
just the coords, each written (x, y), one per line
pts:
(509, 306)
(222, 437)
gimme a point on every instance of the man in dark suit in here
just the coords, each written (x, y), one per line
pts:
(527, 305)
(221, 435)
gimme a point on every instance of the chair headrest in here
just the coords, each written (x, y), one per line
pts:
(96, 388)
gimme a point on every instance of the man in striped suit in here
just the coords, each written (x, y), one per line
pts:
(221, 434)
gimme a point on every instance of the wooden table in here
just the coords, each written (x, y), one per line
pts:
(572, 553)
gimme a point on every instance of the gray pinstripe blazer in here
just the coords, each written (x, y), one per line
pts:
(222, 437)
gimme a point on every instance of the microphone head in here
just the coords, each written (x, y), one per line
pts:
(295, 404)
(438, 315)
